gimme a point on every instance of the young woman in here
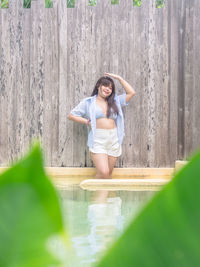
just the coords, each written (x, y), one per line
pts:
(102, 112)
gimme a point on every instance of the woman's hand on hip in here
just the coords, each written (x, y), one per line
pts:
(89, 123)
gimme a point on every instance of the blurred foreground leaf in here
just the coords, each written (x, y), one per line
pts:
(166, 232)
(29, 214)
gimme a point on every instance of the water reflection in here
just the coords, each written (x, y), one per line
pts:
(105, 220)
(96, 219)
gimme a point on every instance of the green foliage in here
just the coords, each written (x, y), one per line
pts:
(48, 4)
(70, 3)
(137, 3)
(159, 3)
(4, 3)
(27, 3)
(92, 3)
(166, 232)
(30, 214)
(114, 2)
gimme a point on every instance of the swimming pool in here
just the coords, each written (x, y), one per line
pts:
(95, 219)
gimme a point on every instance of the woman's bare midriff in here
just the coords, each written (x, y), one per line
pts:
(105, 123)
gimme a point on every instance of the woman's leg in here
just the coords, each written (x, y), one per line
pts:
(101, 163)
(111, 164)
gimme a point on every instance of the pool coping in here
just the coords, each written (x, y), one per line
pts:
(76, 175)
(148, 173)
(124, 178)
(117, 172)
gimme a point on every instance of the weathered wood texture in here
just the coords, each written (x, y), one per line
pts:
(51, 58)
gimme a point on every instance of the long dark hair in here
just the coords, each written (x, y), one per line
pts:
(107, 81)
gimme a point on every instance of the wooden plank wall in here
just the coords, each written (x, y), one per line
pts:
(51, 58)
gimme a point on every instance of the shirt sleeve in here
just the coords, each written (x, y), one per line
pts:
(80, 109)
(122, 100)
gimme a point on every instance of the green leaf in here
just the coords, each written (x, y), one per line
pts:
(92, 3)
(114, 2)
(30, 214)
(137, 3)
(70, 3)
(166, 232)
(4, 3)
(48, 4)
(159, 3)
(27, 4)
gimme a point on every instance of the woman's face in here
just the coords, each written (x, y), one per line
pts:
(105, 91)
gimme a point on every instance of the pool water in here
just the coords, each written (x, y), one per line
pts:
(95, 219)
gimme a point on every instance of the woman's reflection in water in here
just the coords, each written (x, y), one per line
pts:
(105, 219)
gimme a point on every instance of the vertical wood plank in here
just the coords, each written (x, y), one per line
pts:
(196, 78)
(37, 68)
(151, 90)
(172, 43)
(188, 77)
(51, 82)
(3, 88)
(65, 147)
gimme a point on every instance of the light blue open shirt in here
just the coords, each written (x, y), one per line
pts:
(86, 108)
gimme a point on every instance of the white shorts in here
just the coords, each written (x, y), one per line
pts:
(106, 142)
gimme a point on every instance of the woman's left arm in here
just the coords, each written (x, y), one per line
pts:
(130, 92)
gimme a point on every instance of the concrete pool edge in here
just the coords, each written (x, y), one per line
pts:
(132, 179)
(74, 175)
(117, 172)
(131, 172)
(146, 173)
(124, 184)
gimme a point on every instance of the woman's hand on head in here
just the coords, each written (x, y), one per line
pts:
(113, 75)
